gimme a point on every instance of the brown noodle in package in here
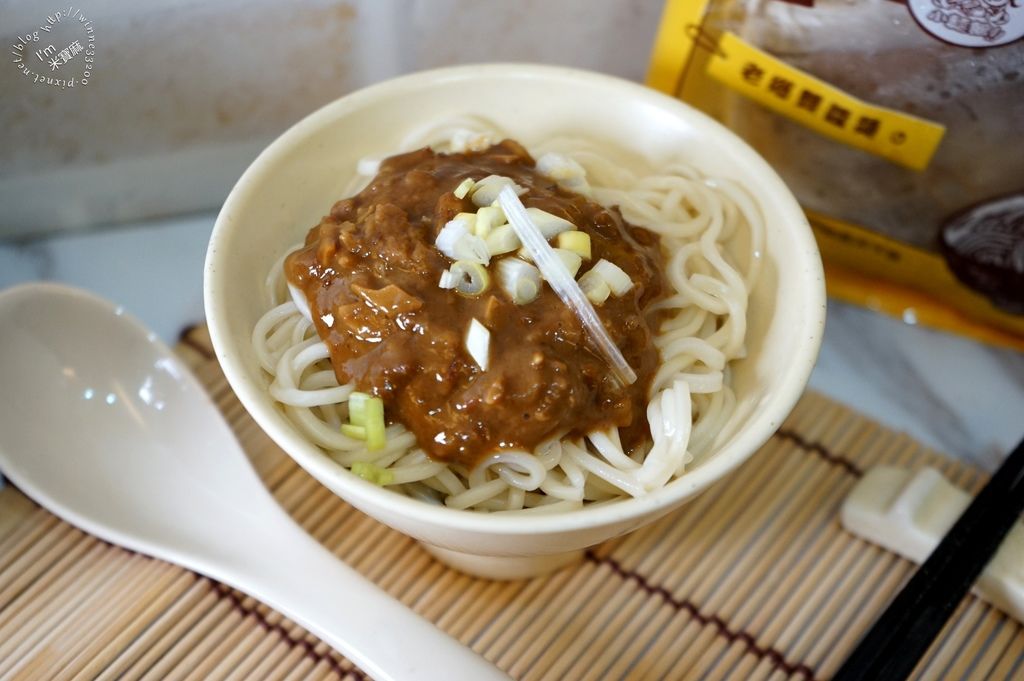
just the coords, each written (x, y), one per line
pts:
(899, 127)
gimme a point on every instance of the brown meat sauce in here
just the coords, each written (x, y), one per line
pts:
(370, 272)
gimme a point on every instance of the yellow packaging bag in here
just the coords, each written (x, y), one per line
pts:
(901, 144)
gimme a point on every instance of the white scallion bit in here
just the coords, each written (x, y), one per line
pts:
(478, 344)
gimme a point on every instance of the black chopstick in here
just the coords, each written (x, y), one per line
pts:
(901, 636)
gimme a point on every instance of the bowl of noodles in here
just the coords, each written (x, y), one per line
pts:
(513, 311)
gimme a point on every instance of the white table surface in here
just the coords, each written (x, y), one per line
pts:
(953, 394)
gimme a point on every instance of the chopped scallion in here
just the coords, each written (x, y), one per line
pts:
(565, 171)
(450, 235)
(520, 280)
(375, 435)
(549, 225)
(470, 220)
(575, 241)
(353, 431)
(478, 343)
(618, 281)
(487, 218)
(572, 261)
(467, 277)
(371, 473)
(594, 287)
(357, 408)
(471, 247)
(501, 240)
(485, 191)
(464, 187)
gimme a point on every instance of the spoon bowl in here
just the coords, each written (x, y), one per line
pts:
(106, 428)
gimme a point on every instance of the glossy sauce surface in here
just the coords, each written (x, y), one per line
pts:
(370, 272)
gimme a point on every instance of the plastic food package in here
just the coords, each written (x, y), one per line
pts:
(898, 128)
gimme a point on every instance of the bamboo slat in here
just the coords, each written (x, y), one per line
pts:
(752, 580)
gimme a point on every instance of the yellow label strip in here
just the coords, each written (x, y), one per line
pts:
(907, 140)
(883, 274)
(673, 44)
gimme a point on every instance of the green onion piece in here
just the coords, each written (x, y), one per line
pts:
(577, 242)
(469, 218)
(502, 239)
(571, 260)
(618, 281)
(485, 191)
(471, 247)
(520, 280)
(357, 408)
(454, 230)
(549, 225)
(594, 287)
(463, 188)
(375, 437)
(487, 218)
(371, 473)
(565, 171)
(468, 278)
(478, 344)
(354, 432)
(559, 167)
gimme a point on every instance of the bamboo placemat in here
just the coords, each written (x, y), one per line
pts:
(752, 580)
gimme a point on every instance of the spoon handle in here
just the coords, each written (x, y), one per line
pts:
(295, 575)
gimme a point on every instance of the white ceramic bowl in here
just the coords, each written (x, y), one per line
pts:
(296, 179)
